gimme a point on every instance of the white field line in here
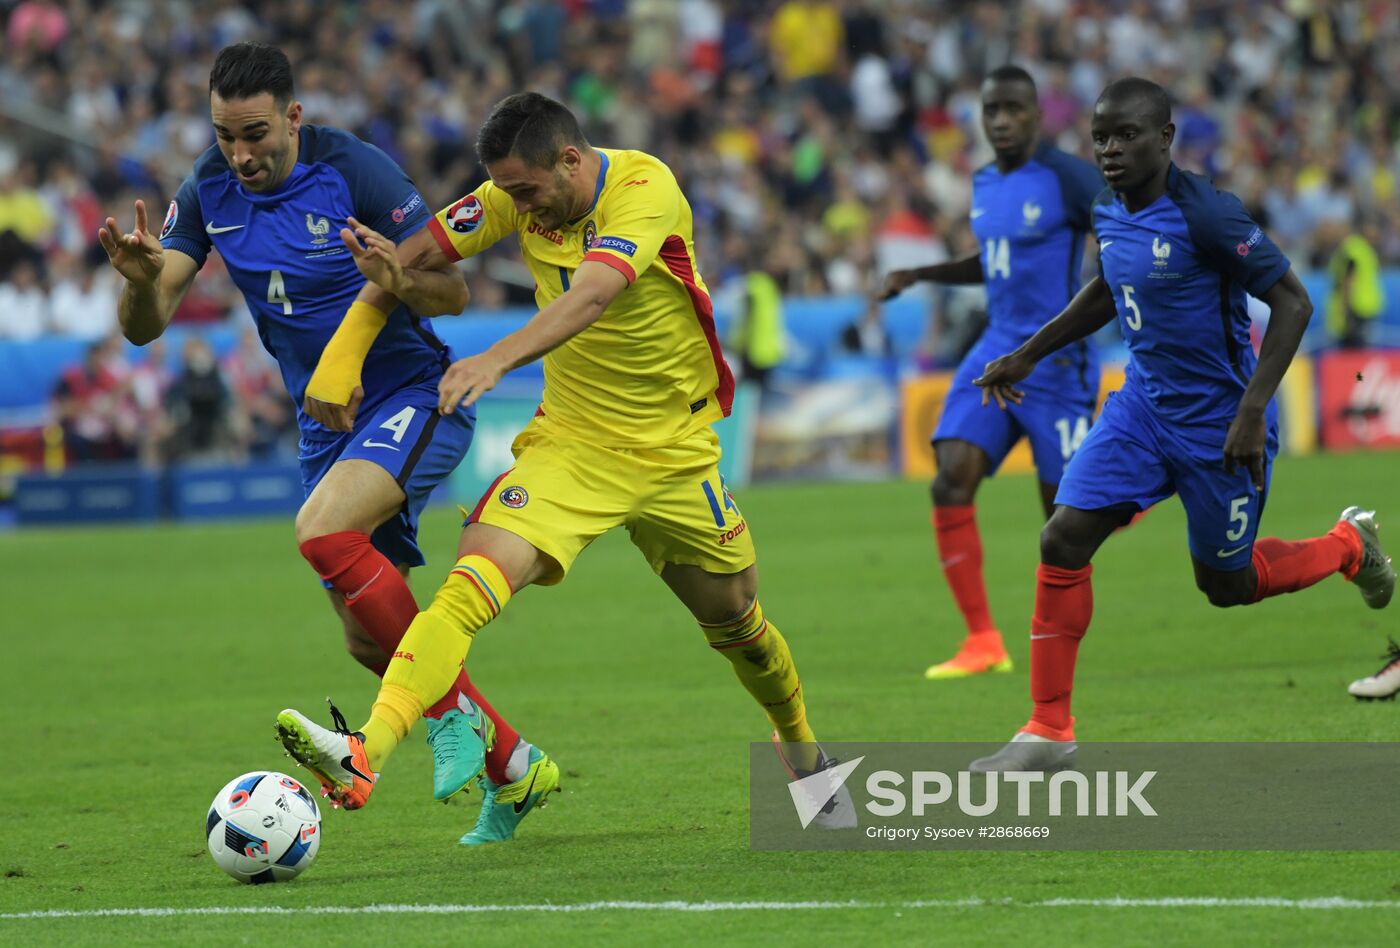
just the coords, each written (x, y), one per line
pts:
(1317, 904)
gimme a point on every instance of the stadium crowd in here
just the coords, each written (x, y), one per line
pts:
(821, 141)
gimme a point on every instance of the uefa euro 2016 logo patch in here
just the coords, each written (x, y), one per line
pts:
(465, 216)
(515, 497)
(171, 216)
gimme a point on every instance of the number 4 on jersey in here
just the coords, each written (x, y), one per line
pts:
(277, 292)
(399, 425)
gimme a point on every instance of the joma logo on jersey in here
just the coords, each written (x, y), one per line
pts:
(1162, 250)
(733, 532)
(318, 228)
(551, 235)
(406, 656)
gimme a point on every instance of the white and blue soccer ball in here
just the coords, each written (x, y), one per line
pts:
(264, 827)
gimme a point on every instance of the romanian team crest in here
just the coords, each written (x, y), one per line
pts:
(318, 228)
(465, 216)
(515, 497)
(590, 236)
(171, 216)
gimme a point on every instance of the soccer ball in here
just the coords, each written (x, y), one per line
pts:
(263, 827)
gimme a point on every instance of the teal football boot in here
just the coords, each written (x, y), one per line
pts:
(460, 740)
(504, 807)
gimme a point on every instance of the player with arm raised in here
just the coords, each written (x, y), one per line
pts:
(634, 378)
(271, 196)
(1030, 213)
(1196, 416)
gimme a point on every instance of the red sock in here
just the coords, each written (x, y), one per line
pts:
(960, 555)
(1285, 566)
(380, 600)
(1064, 603)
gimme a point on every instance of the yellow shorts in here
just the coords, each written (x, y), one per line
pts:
(563, 493)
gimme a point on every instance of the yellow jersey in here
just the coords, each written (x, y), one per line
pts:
(650, 371)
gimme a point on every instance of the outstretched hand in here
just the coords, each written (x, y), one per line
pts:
(896, 282)
(377, 257)
(466, 380)
(999, 378)
(138, 256)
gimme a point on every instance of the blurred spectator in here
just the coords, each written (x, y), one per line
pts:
(24, 306)
(90, 405)
(1357, 296)
(82, 300)
(867, 336)
(263, 414)
(198, 402)
(37, 25)
(758, 331)
(149, 380)
(763, 107)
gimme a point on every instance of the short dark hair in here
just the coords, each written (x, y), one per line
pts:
(1011, 74)
(1158, 104)
(244, 70)
(532, 127)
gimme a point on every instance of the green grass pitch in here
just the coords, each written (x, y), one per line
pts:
(142, 668)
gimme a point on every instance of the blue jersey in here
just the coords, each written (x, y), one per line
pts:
(1030, 225)
(1179, 270)
(284, 252)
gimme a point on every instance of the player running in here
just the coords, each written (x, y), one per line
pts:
(1030, 213)
(1195, 417)
(634, 378)
(271, 196)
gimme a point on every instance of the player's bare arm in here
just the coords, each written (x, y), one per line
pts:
(1289, 312)
(963, 270)
(1091, 309)
(415, 272)
(156, 279)
(595, 286)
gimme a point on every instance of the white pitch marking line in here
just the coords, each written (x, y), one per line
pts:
(1316, 904)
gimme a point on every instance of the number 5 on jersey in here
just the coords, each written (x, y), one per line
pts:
(1134, 317)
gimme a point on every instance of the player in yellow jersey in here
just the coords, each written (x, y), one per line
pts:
(634, 377)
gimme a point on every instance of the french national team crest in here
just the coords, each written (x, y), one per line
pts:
(318, 228)
(465, 216)
(171, 216)
(1162, 250)
(515, 497)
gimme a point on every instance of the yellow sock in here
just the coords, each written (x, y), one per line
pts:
(433, 649)
(764, 665)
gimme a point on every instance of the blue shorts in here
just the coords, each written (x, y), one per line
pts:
(408, 438)
(1133, 458)
(1054, 418)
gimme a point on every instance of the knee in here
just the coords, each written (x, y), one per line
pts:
(1060, 546)
(950, 490)
(1223, 593)
(308, 525)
